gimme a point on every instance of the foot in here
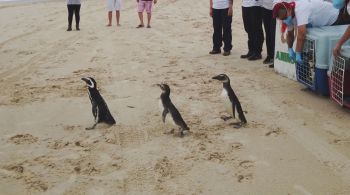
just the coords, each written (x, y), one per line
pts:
(69, 28)
(108, 25)
(268, 60)
(271, 66)
(226, 53)
(140, 26)
(255, 57)
(77, 28)
(247, 55)
(214, 52)
(148, 26)
(118, 25)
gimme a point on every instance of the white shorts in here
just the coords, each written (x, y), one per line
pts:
(113, 5)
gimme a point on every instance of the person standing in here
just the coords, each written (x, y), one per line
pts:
(252, 20)
(270, 31)
(221, 12)
(113, 5)
(143, 5)
(73, 8)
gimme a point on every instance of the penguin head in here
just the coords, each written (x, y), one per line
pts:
(165, 88)
(222, 77)
(90, 82)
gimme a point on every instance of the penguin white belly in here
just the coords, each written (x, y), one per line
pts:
(169, 120)
(226, 101)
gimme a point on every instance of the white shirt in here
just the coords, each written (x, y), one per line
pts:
(251, 3)
(315, 13)
(267, 4)
(221, 4)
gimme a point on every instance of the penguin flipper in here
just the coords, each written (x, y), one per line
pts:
(165, 112)
(241, 114)
(234, 110)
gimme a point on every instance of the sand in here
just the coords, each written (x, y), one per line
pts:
(295, 142)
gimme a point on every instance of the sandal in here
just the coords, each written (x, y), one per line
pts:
(140, 26)
(149, 26)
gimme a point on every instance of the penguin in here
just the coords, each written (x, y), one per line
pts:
(231, 96)
(168, 107)
(100, 109)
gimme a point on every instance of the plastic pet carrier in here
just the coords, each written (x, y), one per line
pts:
(340, 79)
(316, 56)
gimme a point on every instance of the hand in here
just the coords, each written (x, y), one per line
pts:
(155, 1)
(211, 12)
(336, 50)
(291, 54)
(298, 58)
(230, 11)
(137, 1)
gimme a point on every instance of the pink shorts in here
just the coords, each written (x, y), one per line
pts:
(145, 5)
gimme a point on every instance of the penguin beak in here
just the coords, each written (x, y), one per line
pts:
(84, 79)
(159, 85)
(217, 77)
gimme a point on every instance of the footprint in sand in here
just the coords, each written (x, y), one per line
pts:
(246, 164)
(23, 139)
(237, 146)
(216, 156)
(242, 178)
(275, 132)
(341, 141)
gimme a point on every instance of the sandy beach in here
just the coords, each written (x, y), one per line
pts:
(296, 142)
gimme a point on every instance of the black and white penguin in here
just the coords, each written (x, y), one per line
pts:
(99, 107)
(230, 95)
(168, 107)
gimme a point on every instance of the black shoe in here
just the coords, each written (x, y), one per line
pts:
(255, 57)
(271, 66)
(214, 51)
(69, 28)
(247, 55)
(226, 53)
(77, 27)
(268, 60)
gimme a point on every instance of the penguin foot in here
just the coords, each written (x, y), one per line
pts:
(238, 125)
(183, 133)
(91, 128)
(226, 118)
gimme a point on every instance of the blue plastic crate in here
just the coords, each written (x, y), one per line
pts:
(314, 78)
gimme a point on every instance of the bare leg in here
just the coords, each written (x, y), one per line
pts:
(149, 16)
(109, 18)
(117, 14)
(141, 19)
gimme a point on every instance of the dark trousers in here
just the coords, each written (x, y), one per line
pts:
(73, 9)
(252, 21)
(222, 29)
(270, 31)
